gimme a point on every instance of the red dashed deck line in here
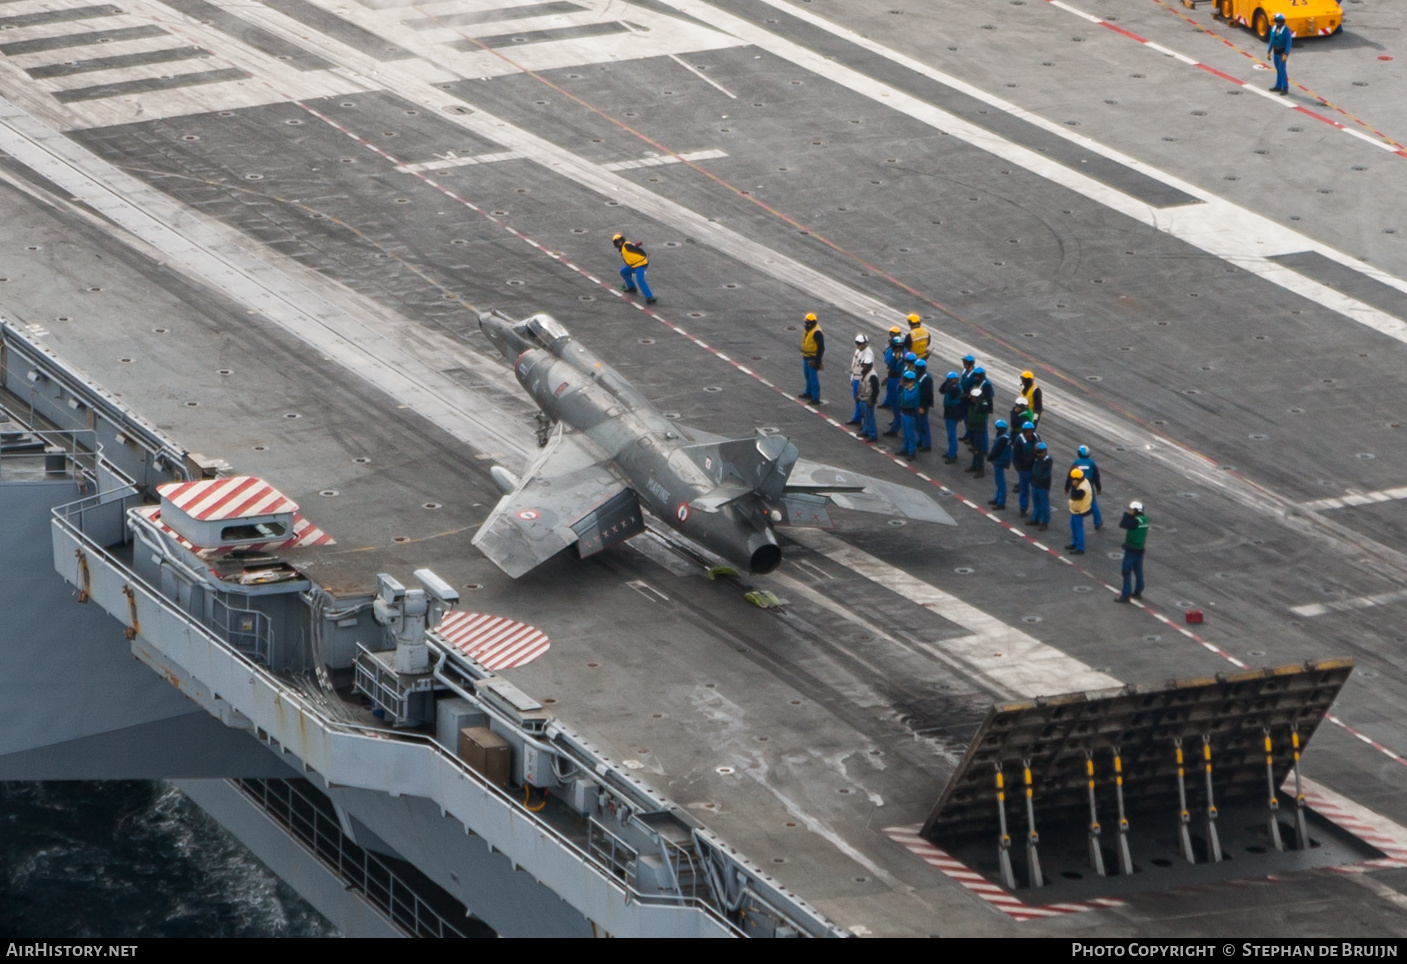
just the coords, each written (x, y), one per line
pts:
(1002, 900)
(1387, 142)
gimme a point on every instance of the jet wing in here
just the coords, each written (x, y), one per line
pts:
(861, 493)
(569, 482)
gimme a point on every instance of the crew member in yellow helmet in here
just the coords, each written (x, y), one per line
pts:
(636, 261)
(813, 348)
(1031, 392)
(917, 339)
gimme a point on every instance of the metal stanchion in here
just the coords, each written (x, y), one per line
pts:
(1004, 844)
(1301, 827)
(1184, 818)
(1272, 803)
(1033, 859)
(1213, 841)
(1125, 859)
(1096, 853)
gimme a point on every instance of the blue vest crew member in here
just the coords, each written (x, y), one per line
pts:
(1023, 456)
(633, 273)
(1040, 487)
(1091, 471)
(951, 390)
(1278, 52)
(813, 348)
(894, 368)
(925, 404)
(908, 414)
(1000, 457)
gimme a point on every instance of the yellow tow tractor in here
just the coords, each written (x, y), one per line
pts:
(1305, 18)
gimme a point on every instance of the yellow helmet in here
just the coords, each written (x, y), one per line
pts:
(811, 317)
(1077, 473)
(895, 330)
(1027, 375)
(915, 320)
(618, 237)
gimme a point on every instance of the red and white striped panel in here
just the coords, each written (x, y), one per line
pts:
(304, 534)
(1371, 827)
(492, 641)
(234, 498)
(998, 897)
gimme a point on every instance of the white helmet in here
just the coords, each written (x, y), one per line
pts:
(1135, 506)
(861, 340)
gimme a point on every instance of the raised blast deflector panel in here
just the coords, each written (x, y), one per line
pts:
(1053, 735)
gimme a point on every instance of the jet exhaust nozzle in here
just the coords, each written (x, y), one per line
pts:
(764, 554)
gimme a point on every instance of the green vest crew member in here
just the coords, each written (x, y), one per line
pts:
(633, 274)
(917, 340)
(1135, 523)
(813, 349)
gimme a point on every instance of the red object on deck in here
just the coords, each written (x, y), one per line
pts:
(1194, 615)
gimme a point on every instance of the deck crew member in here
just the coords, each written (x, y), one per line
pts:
(917, 339)
(951, 390)
(1023, 456)
(894, 368)
(633, 273)
(908, 414)
(925, 405)
(1081, 495)
(977, 411)
(1277, 51)
(1000, 457)
(813, 348)
(863, 353)
(1136, 524)
(1041, 469)
(1091, 471)
(867, 394)
(1031, 392)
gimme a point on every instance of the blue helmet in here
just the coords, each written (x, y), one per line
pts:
(951, 375)
(979, 370)
(1279, 18)
(1028, 425)
(896, 341)
(920, 364)
(1001, 423)
(909, 373)
(968, 358)
(1082, 451)
(910, 357)
(1040, 446)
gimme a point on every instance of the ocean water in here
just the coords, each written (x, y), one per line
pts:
(133, 859)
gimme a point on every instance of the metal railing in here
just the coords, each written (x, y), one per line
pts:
(27, 450)
(322, 836)
(247, 630)
(617, 856)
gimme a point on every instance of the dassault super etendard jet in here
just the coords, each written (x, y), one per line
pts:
(612, 454)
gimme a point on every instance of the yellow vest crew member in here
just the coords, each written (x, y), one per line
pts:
(813, 348)
(1031, 392)
(636, 261)
(917, 340)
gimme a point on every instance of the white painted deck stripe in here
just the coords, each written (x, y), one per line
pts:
(1357, 498)
(1346, 605)
(1016, 662)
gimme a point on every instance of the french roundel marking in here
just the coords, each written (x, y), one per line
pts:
(682, 512)
(528, 514)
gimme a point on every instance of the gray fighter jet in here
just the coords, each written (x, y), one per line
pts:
(610, 453)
